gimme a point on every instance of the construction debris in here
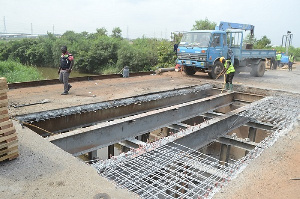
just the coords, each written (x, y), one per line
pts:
(30, 104)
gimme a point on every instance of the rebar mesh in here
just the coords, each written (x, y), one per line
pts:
(279, 111)
(170, 170)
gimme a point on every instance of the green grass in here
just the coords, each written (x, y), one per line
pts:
(110, 70)
(16, 72)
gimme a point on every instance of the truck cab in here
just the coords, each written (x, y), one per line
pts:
(199, 50)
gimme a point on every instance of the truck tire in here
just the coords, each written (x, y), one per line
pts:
(273, 63)
(216, 70)
(189, 70)
(259, 69)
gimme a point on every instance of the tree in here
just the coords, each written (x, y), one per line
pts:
(204, 25)
(176, 36)
(101, 31)
(117, 33)
(249, 39)
(71, 36)
(264, 42)
(166, 56)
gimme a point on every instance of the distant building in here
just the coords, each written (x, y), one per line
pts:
(10, 36)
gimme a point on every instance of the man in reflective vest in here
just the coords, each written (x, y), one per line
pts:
(66, 64)
(278, 59)
(229, 68)
(291, 61)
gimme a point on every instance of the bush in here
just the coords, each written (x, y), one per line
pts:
(16, 72)
(95, 53)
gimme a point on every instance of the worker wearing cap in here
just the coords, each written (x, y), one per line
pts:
(228, 66)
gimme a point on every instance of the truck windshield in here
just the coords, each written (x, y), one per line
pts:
(195, 39)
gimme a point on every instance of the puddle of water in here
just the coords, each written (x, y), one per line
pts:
(51, 73)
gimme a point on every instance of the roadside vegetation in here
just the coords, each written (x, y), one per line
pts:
(16, 72)
(97, 53)
(101, 53)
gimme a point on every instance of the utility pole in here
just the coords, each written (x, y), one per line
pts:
(287, 41)
(4, 31)
(166, 34)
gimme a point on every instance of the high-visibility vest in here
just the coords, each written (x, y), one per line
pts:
(278, 57)
(291, 58)
(230, 68)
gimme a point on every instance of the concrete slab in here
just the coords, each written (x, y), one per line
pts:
(45, 171)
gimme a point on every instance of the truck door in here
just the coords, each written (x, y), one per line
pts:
(217, 46)
(225, 47)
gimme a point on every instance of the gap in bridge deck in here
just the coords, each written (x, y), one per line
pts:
(85, 119)
(88, 115)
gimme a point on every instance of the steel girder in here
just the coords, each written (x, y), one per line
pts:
(91, 138)
(216, 128)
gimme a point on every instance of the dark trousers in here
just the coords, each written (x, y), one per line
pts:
(278, 63)
(64, 78)
(229, 78)
(290, 66)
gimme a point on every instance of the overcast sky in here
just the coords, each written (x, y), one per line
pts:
(151, 18)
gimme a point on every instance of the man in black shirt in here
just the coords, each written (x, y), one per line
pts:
(66, 64)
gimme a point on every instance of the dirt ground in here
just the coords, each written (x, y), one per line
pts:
(269, 176)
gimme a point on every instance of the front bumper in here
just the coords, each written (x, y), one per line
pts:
(197, 64)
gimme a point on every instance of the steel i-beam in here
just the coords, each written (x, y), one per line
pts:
(91, 138)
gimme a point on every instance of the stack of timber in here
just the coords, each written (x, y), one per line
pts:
(8, 135)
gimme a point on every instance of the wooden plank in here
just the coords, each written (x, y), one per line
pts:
(7, 131)
(6, 151)
(3, 95)
(5, 125)
(3, 110)
(11, 156)
(8, 138)
(3, 91)
(7, 144)
(4, 116)
(4, 103)
(4, 119)
(3, 83)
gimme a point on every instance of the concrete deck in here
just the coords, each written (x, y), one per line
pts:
(45, 171)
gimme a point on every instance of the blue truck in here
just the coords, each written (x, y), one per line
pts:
(284, 60)
(201, 50)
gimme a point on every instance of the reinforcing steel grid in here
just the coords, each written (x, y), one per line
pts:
(170, 171)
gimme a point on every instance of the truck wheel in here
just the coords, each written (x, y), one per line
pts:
(259, 70)
(189, 70)
(216, 70)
